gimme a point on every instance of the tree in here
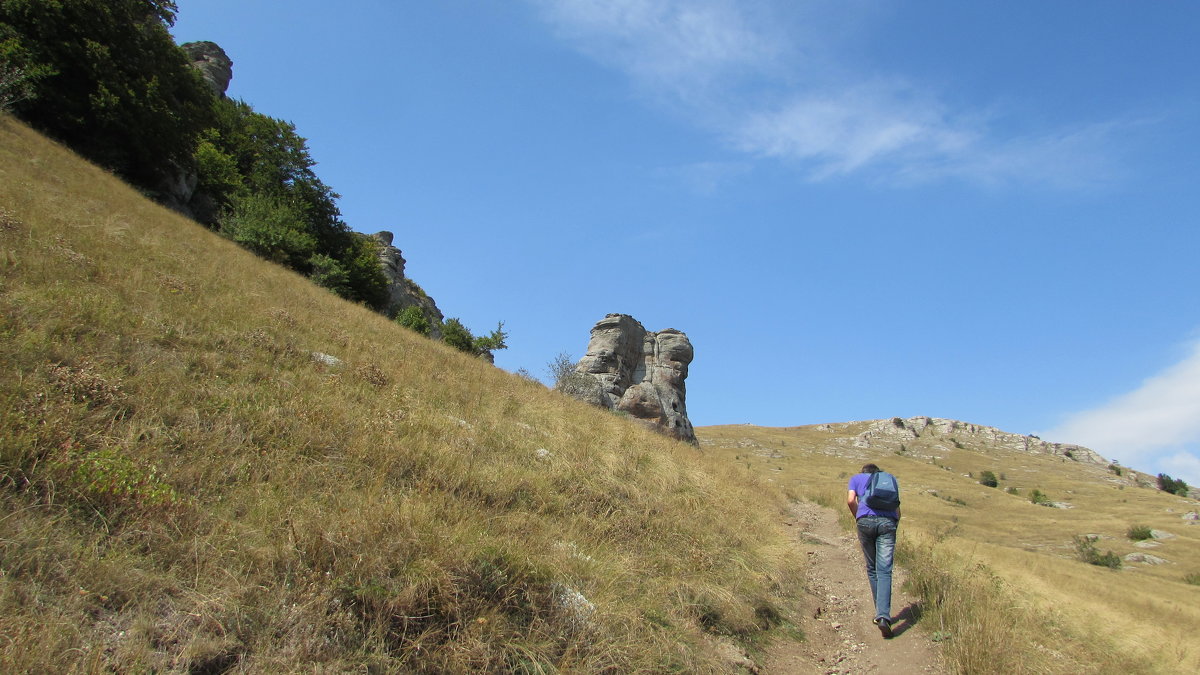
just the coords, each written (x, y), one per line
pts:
(270, 227)
(572, 382)
(106, 78)
(560, 368)
(455, 334)
(988, 479)
(492, 341)
(249, 157)
(1171, 485)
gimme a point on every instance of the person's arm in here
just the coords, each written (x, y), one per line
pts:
(852, 503)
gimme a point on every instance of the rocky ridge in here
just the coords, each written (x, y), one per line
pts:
(891, 433)
(638, 372)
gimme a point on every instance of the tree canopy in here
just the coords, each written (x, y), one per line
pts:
(106, 78)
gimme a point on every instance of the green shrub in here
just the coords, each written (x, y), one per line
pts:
(106, 479)
(455, 334)
(1012, 490)
(1193, 579)
(953, 500)
(329, 273)
(271, 228)
(1085, 550)
(1039, 497)
(989, 479)
(413, 318)
(1116, 469)
(1174, 486)
(1139, 532)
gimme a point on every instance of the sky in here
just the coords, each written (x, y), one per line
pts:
(855, 209)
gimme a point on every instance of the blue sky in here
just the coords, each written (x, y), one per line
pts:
(855, 209)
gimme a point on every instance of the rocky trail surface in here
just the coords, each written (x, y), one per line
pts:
(837, 611)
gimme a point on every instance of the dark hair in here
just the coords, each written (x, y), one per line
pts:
(870, 468)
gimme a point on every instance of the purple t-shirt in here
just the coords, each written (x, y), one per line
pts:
(858, 483)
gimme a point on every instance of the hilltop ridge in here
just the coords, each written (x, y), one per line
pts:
(932, 438)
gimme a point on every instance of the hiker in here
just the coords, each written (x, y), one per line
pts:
(875, 506)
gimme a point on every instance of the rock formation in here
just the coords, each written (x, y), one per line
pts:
(402, 291)
(895, 431)
(638, 372)
(214, 64)
(178, 190)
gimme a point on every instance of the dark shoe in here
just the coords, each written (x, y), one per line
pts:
(885, 626)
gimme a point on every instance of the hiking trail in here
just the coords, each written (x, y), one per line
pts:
(836, 610)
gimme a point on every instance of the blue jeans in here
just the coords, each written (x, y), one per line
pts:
(877, 535)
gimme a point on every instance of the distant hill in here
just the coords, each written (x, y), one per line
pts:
(1002, 575)
(210, 464)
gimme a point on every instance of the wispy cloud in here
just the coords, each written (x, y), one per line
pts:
(786, 94)
(1156, 424)
(680, 47)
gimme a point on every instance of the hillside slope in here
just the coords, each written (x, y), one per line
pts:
(208, 464)
(1001, 576)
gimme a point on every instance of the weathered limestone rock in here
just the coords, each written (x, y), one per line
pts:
(888, 433)
(213, 63)
(639, 372)
(1144, 558)
(402, 291)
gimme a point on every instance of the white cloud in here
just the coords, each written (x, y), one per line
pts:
(1183, 465)
(781, 89)
(680, 46)
(844, 131)
(1151, 425)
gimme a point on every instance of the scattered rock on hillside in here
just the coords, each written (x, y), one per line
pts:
(576, 609)
(891, 433)
(1145, 558)
(214, 64)
(327, 360)
(638, 372)
(1159, 534)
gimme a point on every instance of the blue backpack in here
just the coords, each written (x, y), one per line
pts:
(883, 493)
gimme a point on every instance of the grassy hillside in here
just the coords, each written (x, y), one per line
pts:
(1000, 575)
(187, 485)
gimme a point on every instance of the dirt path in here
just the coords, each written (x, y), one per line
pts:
(837, 611)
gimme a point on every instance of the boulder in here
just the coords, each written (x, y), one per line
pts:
(214, 64)
(638, 372)
(1145, 558)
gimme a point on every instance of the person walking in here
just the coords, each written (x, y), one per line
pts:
(877, 535)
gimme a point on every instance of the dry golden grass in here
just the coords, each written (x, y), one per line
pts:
(998, 573)
(186, 488)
